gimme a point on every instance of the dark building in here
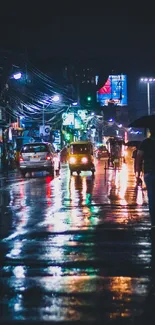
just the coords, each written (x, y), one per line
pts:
(82, 76)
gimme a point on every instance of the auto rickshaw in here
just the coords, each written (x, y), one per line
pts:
(81, 157)
(116, 150)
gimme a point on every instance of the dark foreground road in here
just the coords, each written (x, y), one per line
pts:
(75, 249)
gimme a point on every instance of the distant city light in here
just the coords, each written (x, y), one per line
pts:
(75, 104)
(96, 80)
(111, 120)
(120, 125)
(92, 113)
(17, 76)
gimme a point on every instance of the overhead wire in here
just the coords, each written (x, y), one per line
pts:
(30, 99)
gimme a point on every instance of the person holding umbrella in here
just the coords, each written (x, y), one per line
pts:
(146, 154)
(135, 145)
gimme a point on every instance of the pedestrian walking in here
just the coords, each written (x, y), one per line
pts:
(146, 154)
(134, 156)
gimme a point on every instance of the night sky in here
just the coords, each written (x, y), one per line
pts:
(117, 36)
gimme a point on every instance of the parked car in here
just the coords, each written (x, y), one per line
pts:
(38, 157)
(102, 152)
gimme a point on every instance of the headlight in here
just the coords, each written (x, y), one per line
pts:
(84, 160)
(72, 160)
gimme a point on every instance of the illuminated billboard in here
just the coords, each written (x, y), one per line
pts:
(68, 119)
(114, 91)
(72, 120)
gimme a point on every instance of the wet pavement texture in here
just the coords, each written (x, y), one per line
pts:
(74, 248)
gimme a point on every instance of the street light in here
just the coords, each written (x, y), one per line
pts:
(55, 98)
(17, 75)
(148, 81)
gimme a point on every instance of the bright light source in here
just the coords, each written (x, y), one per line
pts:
(147, 79)
(75, 104)
(55, 98)
(17, 75)
(111, 120)
(92, 113)
(72, 160)
(84, 160)
(120, 125)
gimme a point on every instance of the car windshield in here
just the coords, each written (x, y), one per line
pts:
(80, 148)
(34, 148)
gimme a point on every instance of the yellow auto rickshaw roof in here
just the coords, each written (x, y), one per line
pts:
(80, 142)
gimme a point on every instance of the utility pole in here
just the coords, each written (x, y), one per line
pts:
(148, 98)
(43, 115)
(102, 125)
(78, 89)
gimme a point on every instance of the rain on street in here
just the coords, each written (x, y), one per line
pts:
(74, 248)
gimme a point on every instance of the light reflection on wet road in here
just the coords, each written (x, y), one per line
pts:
(74, 248)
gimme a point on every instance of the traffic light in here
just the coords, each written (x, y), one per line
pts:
(67, 136)
(89, 99)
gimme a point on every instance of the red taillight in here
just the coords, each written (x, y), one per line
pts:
(21, 158)
(48, 157)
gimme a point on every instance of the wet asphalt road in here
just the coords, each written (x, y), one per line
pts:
(74, 248)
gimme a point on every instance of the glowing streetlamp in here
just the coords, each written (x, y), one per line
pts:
(148, 81)
(17, 75)
(55, 98)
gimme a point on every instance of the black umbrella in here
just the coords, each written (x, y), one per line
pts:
(133, 143)
(147, 121)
